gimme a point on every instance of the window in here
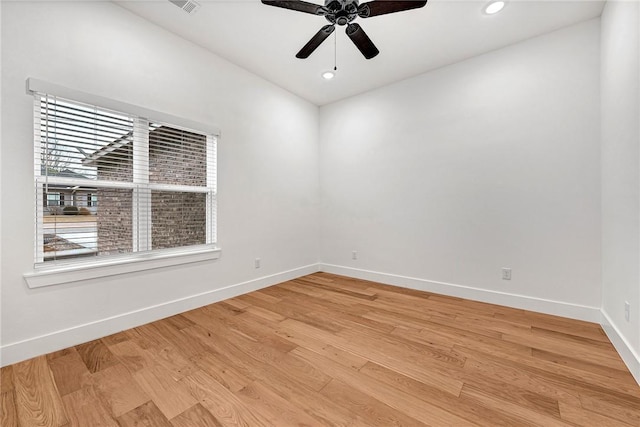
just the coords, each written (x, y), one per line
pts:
(92, 200)
(54, 199)
(155, 181)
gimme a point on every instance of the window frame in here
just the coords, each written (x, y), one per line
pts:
(52, 273)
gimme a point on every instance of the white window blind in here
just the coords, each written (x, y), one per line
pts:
(110, 183)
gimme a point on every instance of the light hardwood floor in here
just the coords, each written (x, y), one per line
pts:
(330, 350)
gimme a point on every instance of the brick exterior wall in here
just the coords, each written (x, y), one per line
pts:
(179, 219)
(115, 206)
(186, 166)
(114, 220)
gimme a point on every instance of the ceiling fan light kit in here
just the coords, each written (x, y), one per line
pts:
(342, 13)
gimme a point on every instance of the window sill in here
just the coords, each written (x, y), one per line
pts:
(61, 274)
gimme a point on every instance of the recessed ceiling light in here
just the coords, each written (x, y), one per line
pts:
(494, 7)
(328, 75)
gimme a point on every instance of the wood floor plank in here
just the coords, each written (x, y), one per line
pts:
(118, 391)
(622, 410)
(480, 415)
(556, 379)
(444, 335)
(196, 416)
(242, 367)
(525, 415)
(60, 353)
(257, 331)
(148, 337)
(85, 409)
(478, 367)
(392, 360)
(509, 392)
(575, 363)
(225, 405)
(417, 352)
(321, 407)
(398, 399)
(6, 379)
(329, 350)
(115, 338)
(146, 415)
(37, 399)
(69, 372)
(374, 412)
(261, 295)
(8, 412)
(274, 407)
(338, 355)
(577, 338)
(292, 311)
(179, 322)
(175, 359)
(237, 303)
(579, 351)
(96, 355)
(291, 367)
(131, 355)
(219, 369)
(168, 395)
(580, 416)
(167, 336)
(264, 314)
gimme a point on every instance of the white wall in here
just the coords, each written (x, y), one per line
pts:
(440, 180)
(268, 181)
(621, 177)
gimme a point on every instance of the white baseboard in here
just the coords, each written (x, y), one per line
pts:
(557, 308)
(32, 347)
(624, 349)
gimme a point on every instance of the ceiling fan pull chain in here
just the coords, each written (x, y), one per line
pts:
(335, 51)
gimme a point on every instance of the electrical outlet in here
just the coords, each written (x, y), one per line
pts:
(506, 274)
(627, 310)
(354, 255)
(256, 263)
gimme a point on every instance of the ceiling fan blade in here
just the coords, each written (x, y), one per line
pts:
(315, 41)
(382, 7)
(300, 6)
(362, 41)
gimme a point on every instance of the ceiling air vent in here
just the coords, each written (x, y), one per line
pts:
(189, 6)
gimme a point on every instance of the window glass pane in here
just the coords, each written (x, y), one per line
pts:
(177, 156)
(178, 219)
(68, 231)
(80, 231)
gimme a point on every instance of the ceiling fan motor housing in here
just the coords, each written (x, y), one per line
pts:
(341, 12)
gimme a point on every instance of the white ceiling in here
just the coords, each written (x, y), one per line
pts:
(264, 39)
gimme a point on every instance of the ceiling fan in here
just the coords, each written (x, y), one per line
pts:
(343, 12)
